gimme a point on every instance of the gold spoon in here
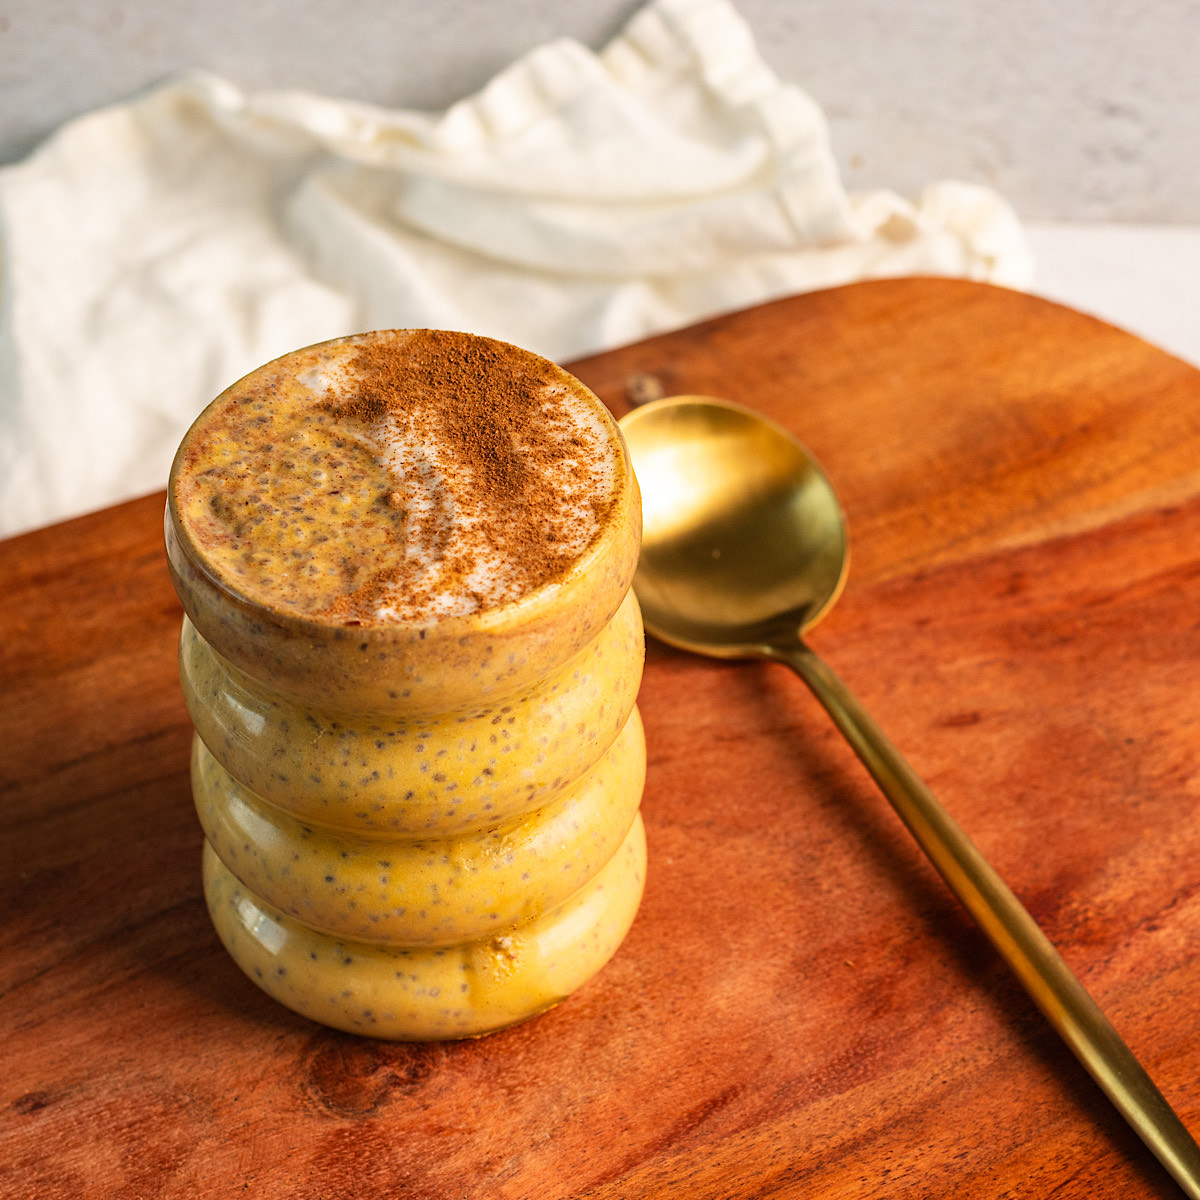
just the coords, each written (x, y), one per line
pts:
(743, 550)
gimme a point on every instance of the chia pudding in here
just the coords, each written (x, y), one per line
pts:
(412, 657)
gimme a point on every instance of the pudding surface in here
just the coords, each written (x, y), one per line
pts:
(397, 477)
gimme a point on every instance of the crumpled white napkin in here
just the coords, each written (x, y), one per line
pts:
(155, 251)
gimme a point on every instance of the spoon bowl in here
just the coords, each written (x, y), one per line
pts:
(743, 542)
(743, 549)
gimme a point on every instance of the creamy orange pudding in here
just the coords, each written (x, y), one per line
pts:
(411, 656)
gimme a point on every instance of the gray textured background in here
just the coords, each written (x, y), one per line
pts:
(1073, 109)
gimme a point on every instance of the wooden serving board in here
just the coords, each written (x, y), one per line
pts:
(801, 1009)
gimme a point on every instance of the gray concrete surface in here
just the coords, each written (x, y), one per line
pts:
(1073, 109)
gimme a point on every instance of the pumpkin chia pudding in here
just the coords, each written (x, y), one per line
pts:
(412, 657)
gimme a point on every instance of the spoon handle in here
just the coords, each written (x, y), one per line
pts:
(1011, 929)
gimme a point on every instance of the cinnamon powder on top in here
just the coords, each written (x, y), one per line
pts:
(509, 450)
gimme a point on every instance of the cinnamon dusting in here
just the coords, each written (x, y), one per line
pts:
(440, 473)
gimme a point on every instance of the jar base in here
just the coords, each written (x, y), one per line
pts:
(430, 993)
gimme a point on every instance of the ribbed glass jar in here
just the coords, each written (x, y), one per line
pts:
(420, 831)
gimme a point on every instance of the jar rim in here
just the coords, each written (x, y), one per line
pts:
(625, 504)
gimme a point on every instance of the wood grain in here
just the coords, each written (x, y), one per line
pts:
(801, 1010)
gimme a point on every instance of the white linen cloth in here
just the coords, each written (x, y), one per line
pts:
(154, 252)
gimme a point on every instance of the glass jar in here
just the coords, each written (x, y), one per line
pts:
(417, 830)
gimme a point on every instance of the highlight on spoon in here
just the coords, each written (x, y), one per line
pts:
(742, 538)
